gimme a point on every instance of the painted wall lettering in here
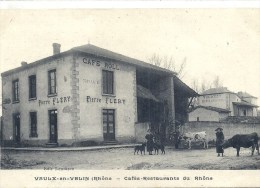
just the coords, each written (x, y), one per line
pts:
(115, 101)
(111, 66)
(106, 100)
(91, 81)
(91, 99)
(57, 100)
(41, 102)
(93, 62)
(54, 101)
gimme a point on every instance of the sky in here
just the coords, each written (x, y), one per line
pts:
(214, 42)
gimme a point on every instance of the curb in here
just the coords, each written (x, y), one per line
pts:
(60, 149)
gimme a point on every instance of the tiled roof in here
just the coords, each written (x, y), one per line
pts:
(101, 52)
(212, 109)
(243, 103)
(216, 90)
(96, 51)
(244, 95)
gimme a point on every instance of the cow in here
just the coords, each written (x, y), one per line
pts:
(243, 140)
(196, 136)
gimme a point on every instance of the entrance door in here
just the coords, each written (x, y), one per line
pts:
(53, 126)
(17, 136)
(109, 124)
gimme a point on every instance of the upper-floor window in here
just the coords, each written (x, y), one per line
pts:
(52, 85)
(16, 91)
(108, 82)
(32, 87)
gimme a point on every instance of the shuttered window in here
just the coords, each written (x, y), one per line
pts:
(32, 87)
(52, 82)
(16, 91)
(108, 82)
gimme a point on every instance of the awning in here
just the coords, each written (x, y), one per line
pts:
(145, 93)
(183, 89)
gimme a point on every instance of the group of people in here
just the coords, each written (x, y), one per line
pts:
(219, 141)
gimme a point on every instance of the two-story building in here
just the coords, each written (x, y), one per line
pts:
(216, 104)
(89, 94)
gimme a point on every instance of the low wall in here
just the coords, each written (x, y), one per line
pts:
(229, 129)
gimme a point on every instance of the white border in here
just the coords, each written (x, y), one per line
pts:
(129, 4)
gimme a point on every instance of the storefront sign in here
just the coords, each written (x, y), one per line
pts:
(98, 63)
(106, 100)
(54, 101)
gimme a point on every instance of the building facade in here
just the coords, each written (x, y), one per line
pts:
(224, 103)
(87, 94)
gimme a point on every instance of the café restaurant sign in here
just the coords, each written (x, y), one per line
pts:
(94, 62)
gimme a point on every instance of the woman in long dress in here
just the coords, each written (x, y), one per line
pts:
(149, 143)
(219, 141)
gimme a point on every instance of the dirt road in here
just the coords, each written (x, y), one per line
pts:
(124, 158)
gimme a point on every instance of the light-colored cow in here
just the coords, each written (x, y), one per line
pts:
(196, 136)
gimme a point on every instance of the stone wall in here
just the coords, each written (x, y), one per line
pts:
(229, 129)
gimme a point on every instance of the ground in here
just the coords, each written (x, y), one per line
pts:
(124, 158)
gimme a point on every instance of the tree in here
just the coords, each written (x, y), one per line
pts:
(217, 82)
(168, 63)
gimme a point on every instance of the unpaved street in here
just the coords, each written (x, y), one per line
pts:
(124, 158)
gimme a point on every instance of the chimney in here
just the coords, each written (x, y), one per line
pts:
(23, 63)
(56, 48)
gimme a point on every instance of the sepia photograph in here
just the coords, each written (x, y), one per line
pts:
(131, 90)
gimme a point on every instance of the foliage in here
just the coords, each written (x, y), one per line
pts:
(168, 63)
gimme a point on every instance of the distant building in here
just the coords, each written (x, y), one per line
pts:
(89, 94)
(208, 113)
(217, 103)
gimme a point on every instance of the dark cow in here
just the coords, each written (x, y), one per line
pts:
(243, 140)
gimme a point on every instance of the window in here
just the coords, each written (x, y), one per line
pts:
(108, 82)
(52, 82)
(16, 91)
(33, 118)
(32, 87)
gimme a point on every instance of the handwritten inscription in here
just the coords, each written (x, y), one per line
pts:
(106, 100)
(98, 63)
(54, 101)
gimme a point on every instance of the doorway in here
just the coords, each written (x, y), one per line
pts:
(108, 124)
(17, 131)
(53, 126)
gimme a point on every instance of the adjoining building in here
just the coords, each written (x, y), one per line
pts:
(89, 94)
(216, 104)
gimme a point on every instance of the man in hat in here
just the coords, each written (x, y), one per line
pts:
(219, 141)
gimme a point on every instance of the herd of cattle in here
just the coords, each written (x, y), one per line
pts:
(237, 141)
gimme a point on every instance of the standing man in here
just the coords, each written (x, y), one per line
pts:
(219, 141)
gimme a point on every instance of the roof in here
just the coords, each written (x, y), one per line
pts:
(95, 51)
(243, 103)
(245, 95)
(216, 90)
(184, 89)
(212, 109)
(145, 93)
(101, 52)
